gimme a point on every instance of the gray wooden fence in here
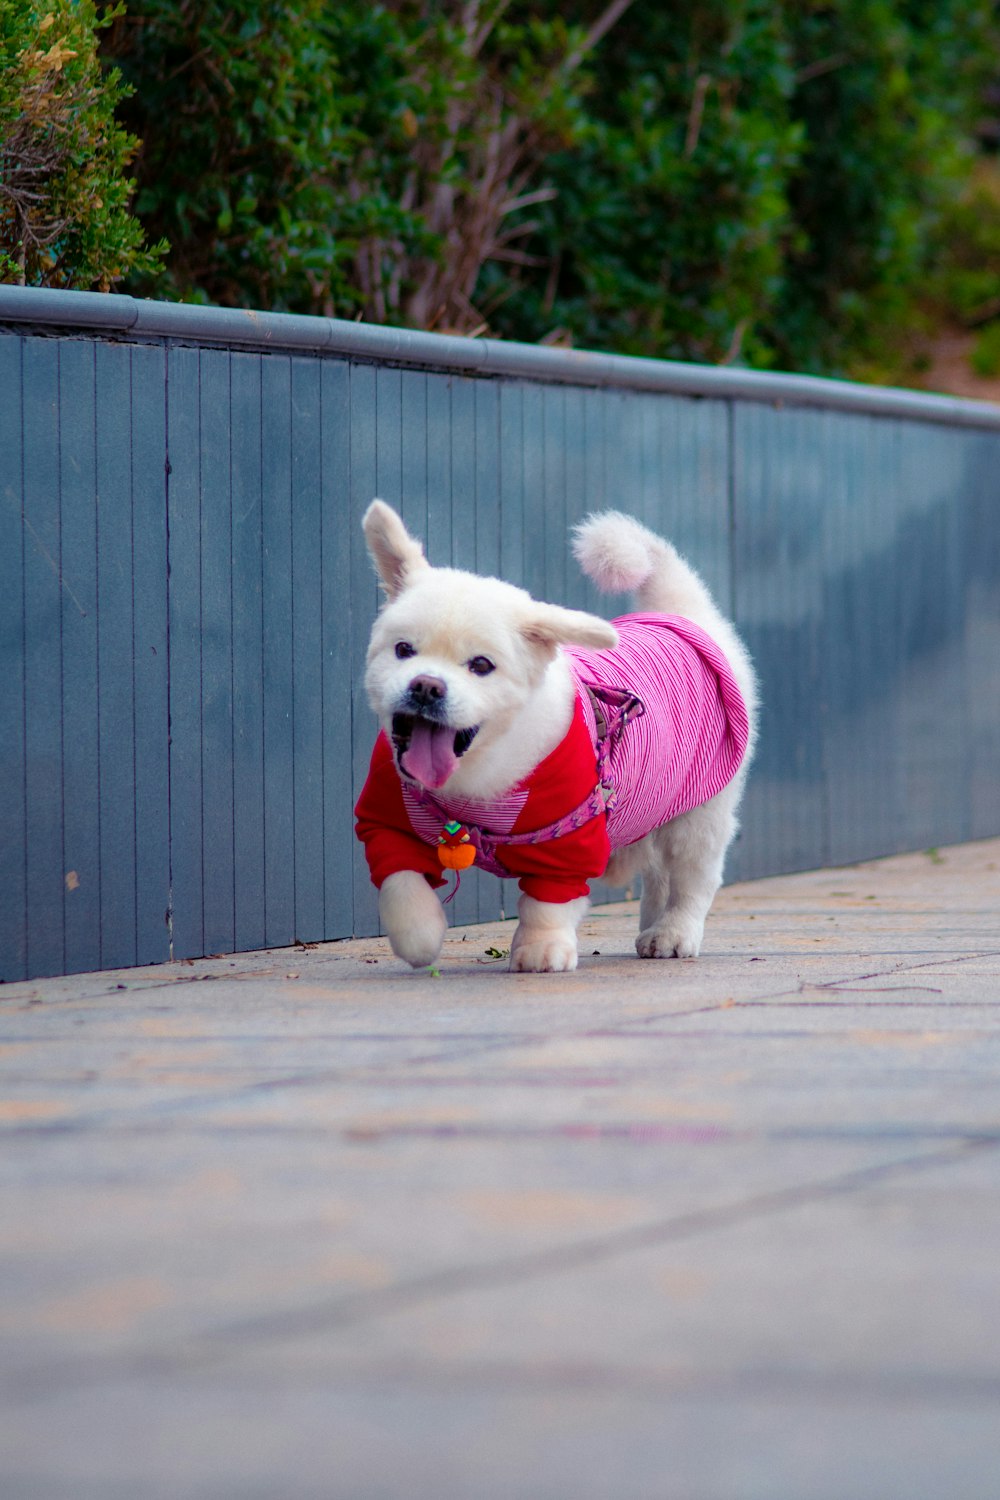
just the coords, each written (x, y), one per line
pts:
(185, 598)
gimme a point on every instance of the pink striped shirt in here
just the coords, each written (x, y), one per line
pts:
(690, 741)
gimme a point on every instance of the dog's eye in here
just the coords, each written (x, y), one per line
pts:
(404, 649)
(481, 665)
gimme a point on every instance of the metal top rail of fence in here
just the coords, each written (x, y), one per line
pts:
(130, 317)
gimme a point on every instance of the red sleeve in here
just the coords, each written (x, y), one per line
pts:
(384, 828)
(560, 869)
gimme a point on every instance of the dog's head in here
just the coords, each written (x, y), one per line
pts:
(454, 657)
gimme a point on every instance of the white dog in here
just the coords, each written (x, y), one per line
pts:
(551, 746)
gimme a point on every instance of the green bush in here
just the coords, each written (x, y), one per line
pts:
(887, 94)
(64, 192)
(669, 225)
(243, 116)
(760, 181)
(753, 180)
(986, 352)
(342, 158)
(963, 287)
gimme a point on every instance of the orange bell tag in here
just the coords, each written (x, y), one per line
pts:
(455, 848)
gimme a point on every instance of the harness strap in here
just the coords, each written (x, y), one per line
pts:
(613, 708)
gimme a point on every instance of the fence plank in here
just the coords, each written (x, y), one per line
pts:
(249, 868)
(339, 604)
(861, 645)
(148, 441)
(81, 760)
(116, 655)
(184, 550)
(549, 519)
(486, 492)
(779, 490)
(486, 479)
(307, 650)
(575, 432)
(468, 902)
(461, 434)
(693, 485)
(364, 591)
(511, 466)
(439, 487)
(981, 546)
(595, 496)
(279, 666)
(43, 790)
(413, 455)
(930, 558)
(13, 820)
(535, 578)
(218, 879)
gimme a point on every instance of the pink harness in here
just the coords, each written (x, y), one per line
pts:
(613, 709)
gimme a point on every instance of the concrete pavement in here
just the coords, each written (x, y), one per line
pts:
(303, 1223)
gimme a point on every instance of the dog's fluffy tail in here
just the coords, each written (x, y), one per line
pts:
(621, 556)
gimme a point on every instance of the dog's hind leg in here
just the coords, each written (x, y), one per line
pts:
(655, 885)
(682, 877)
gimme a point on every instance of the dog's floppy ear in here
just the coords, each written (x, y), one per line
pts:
(550, 625)
(396, 554)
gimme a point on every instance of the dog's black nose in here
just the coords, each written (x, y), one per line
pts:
(425, 691)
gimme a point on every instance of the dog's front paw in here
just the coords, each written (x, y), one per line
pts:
(674, 937)
(545, 940)
(547, 954)
(413, 918)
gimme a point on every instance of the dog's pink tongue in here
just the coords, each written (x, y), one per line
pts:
(430, 756)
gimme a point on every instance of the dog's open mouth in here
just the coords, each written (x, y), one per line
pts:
(426, 751)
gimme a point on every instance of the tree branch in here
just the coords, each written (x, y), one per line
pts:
(600, 28)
